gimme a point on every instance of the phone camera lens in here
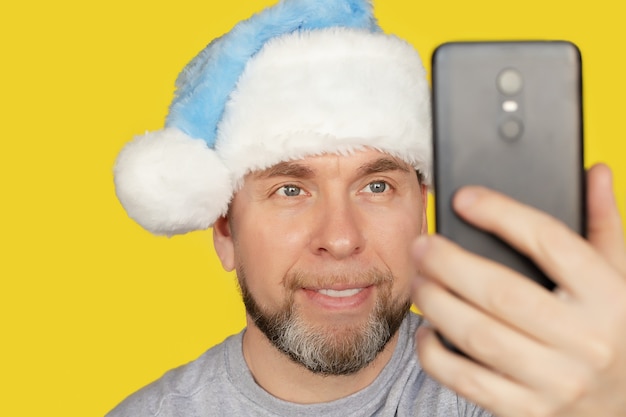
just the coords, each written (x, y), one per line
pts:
(511, 129)
(509, 82)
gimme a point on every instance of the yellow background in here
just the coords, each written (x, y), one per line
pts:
(91, 306)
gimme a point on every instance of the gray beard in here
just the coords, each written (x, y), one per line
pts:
(329, 350)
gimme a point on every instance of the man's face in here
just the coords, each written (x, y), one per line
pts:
(321, 249)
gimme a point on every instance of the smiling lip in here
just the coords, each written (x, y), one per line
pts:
(340, 293)
(347, 297)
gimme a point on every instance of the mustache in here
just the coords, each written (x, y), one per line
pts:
(297, 279)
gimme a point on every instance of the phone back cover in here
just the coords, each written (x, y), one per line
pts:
(543, 167)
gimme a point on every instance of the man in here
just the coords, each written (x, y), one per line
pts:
(302, 137)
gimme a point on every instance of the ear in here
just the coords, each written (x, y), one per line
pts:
(424, 209)
(223, 243)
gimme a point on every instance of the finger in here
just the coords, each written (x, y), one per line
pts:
(483, 387)
(497, 290)
(562, 254)
(494, 344)
(494, 391)
(604, 224)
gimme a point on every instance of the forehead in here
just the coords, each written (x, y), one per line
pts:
(361, 162)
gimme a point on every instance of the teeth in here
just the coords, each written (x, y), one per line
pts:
(343, 293)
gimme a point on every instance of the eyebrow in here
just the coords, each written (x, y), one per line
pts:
(297, 170)
(384, 164)
(288, 169)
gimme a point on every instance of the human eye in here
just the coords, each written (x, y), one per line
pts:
(289, 190)
(376, 187)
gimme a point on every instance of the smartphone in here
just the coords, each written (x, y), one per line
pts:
(508, 116)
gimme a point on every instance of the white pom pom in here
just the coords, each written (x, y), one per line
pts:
(171, 184)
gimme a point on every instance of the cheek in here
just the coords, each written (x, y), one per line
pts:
(267, 249)
(278, 236)
(393, 239)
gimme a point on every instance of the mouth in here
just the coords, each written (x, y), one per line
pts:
(340, 293)
(343, 298)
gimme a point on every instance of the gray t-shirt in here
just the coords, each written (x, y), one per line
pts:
(219, 383)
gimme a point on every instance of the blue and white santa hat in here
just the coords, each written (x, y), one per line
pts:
(302, 78)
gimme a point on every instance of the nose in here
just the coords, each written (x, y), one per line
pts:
(339, 231)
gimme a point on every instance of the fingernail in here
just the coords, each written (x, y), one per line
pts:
(419, 246)
(465, 197)
(417, 280)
